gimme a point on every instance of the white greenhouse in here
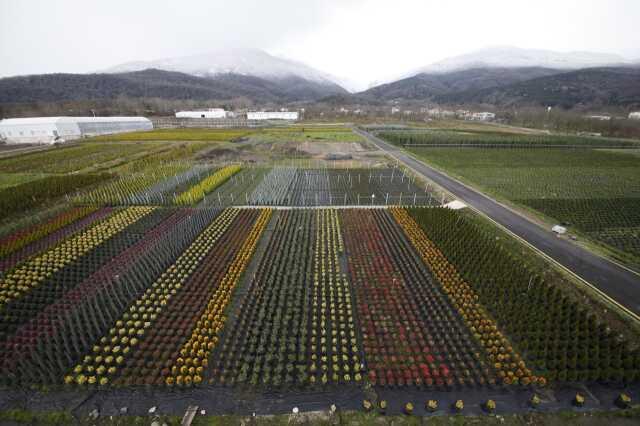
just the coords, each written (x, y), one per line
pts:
(49, 130)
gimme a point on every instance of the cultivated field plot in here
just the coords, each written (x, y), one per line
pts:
(418, 299)
(106, 174)
(496, 139)
(232, 185)
(291, 186)
(233, 284)
(75, 158)
(594, 191)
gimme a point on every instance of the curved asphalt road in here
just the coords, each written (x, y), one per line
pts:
(620, 284)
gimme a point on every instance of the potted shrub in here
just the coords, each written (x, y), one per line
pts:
(623, 400)
(490, 405)
(408, 408)
(534, 401)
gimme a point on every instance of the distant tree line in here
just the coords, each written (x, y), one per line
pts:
(118, 106)
(558, 120)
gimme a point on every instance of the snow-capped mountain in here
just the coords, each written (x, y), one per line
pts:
(247, 62)
(514, 57)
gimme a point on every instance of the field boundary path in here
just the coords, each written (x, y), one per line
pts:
(612, 281)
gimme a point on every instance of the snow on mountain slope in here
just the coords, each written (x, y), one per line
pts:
(513, 57)
(250, 62)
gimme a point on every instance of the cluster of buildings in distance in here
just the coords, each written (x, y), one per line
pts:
(632, 116)
(459, 114)
(50, 130)
(206, 113)
(249, 115)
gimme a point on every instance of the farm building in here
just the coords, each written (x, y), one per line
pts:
(59, 129)
(439, 113)
(634, 115)
(207, 113)
(599, 117)
(272, 115)
(483, 116)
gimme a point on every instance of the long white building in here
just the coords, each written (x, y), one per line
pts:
(59, 129)
(634, 115)
(272, 115)
(483, 116)
(206, 113)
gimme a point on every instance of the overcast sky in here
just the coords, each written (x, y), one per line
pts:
(359, 40)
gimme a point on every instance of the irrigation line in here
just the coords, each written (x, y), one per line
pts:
(327, 207)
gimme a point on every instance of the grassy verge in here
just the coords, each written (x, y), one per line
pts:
(616, 417)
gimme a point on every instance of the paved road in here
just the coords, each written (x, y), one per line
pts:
(620, 284)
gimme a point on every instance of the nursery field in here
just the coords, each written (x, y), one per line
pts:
(74, 158)
(590, 185)
(180, 183)
(156, 275)
(495, 139)
(388, 303)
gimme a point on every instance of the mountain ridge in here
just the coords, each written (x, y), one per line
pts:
(240, 61)
(587, 88)
(514, 57)
(428, 85)
(159, 84)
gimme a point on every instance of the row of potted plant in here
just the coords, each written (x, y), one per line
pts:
(435, 348)
(508, 363)
(109, 354)
(128, 188)
(99, 287)
(269, 343)
(188, 367)
(335, 349)
(32, 273)
(19, 239)
(561, 337)
(198, 191)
